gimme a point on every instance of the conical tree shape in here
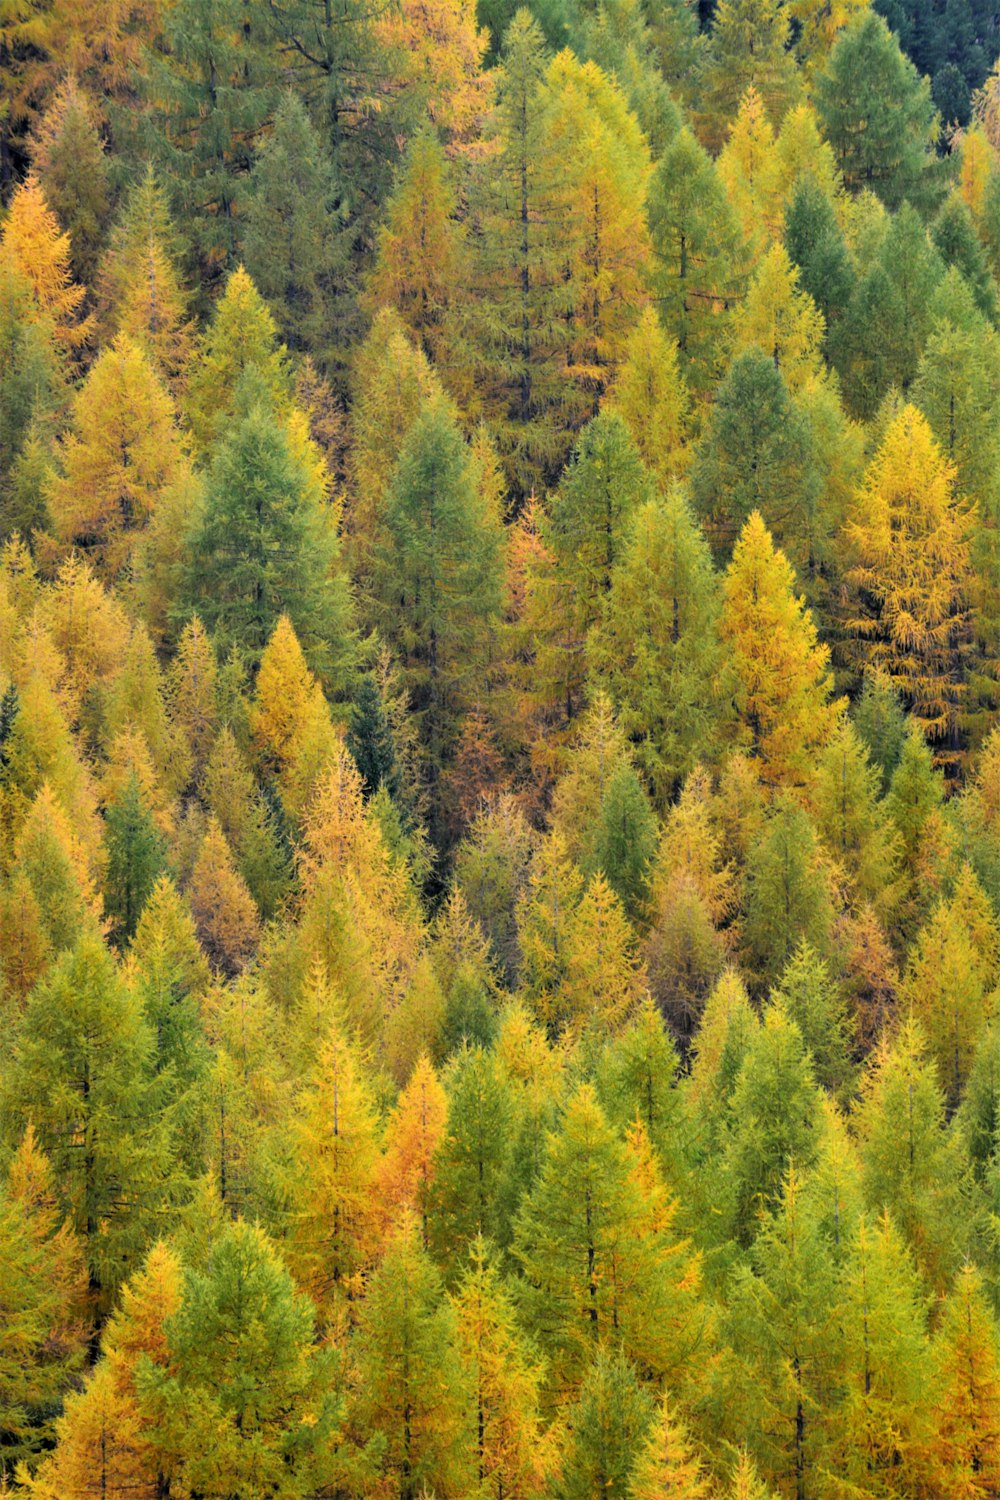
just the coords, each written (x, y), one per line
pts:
(412, 1377)
(965, 1444)
(139, 287)
(650, 393)
(781, 320)
(667, 1465)
(748, 48)
(414, 1132)
(331, 1173)
(607, 1426)
(122, 452)
(68, 157)
(41, 253)
(419, 270)
(654, 647)
(513, 1452)
(223, 909)
(910, 543)
(600, 1262)
(776, 669)
(241, 337)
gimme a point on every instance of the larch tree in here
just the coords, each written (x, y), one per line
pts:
(40, 251)
(83, 1073)
(139, 288)
(651, 394)
(698, 258)
(68, 157)
(909, 540)
(748, 48)
(965, 1440)
(412, 1377)
(503, 1376)
(241, 337)
(121, 453)
(600, 1260)
(438, 584)
(877, 113)
(607, 1426)
(654, 646)
(419, 269)
(776, 670)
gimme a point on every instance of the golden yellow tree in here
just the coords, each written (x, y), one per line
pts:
(776, 671)
(911, 576)
(39, 249)
(121, 453)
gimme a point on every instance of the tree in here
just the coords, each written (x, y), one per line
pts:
(40, 252)
(420, 271)
(294, 243)
(909, 540)
(136, 858)
(604, 485)
(781, 320)
(667, 1463)
(753, 456)
(623, 843)
(698, 260)
(816, 246)
(654, 647)
(438, 584)
(413, 1134)
(877, 114)
(241, 337)
(951, 977)
(223, 908)
(774, 1117)
(30, 378)
(67, 155)
(958, 243)
(265, 545)
(208, 93)
(243, 1399)
(748, 48)
(603, 979)
(849, 820)
(877, 1431)
(41, 1305)
(813, 1000)
(600, 211)
(910, 1163)
(518, 329)
(140, 292)
(329, 1177)
(466, 1200)
(119, 457)
(599, 1257)
(82, 1073)
(503, 1377)
(787, 892)
(776, 670)
(193, 685)
(608, 1426)
(104, 1438)
(965, 1442)
(411, 1390)
(651, 395)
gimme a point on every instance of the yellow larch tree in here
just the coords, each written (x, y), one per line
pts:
(39, 249)
(122, 451)
(911, 576)
(776, 671)
(413, 1133)
(781, 319)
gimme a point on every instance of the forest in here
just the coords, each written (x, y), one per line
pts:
(499, 750)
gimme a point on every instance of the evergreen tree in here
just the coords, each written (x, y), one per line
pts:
(83, 1074)
(136, 858)
(787, 892)
(208, 93)
(654, 647)
(265, 545)
(877, 114)
(747, 48)
(411, 1391)
(608, 1426)
(438, 584)
(294, 244)
(698, 258)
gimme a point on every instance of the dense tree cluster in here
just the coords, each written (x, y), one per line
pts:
(499, 750)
